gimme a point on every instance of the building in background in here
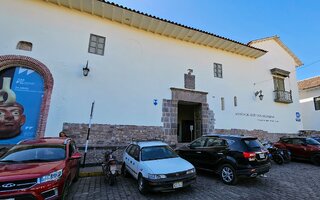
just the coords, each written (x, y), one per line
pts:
(149, 77)
(309, 93)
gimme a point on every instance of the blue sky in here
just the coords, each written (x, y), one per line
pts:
(297, 22)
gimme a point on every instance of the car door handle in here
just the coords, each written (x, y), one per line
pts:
(220, 153)
(198, 151)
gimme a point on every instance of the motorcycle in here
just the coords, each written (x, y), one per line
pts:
(110, 167)
(279, 156)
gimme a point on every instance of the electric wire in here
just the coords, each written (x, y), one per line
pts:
(301, 67)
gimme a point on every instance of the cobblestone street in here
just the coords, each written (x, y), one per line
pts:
(296, 180)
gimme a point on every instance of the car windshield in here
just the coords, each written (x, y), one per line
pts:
(312, 141)
(34, 153)
(318, 139)
(157, 152)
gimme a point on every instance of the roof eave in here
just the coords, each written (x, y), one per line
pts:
(153, 24)
(297, 61)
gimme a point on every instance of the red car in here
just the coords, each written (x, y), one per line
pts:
(302, 148)
(39, 169)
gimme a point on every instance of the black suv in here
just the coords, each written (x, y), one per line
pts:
(231, 156)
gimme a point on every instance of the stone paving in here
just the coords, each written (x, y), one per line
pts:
(297, 180)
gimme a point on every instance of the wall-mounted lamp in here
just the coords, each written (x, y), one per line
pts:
(260, 94)
(86, 70)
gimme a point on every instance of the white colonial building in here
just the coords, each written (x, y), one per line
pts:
(148, 76)
(309, 92)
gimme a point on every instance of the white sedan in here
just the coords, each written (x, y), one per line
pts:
(157, 167)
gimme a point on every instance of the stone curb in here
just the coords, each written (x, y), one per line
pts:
(90, 174)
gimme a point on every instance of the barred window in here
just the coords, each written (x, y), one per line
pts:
(217, 70)
(96, 44)
(222, 103)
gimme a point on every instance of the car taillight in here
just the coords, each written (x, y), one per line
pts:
(249, 155)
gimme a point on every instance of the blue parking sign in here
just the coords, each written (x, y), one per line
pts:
(298, 115)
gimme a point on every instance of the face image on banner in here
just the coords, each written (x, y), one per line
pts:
(21, 93)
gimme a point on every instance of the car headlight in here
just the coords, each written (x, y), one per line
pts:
(50, 177)
(156, 176)
(191, 171)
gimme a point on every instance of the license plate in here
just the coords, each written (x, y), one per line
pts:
(177, 185)
(9, 199)
(262, 155)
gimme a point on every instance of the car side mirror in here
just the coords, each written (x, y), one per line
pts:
(304, 144)
(76, 155)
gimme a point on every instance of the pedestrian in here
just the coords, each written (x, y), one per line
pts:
(62, 134)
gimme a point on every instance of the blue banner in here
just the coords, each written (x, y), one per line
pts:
(20, 105)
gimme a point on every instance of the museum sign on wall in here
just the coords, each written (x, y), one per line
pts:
(21, 93)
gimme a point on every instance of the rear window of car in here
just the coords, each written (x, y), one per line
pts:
(252, 144)
(234, 143)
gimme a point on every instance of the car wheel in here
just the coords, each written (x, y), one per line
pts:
(228, 174)
(278, 159)
(316, 159)
(287, 158)
(124, 171)
(65, 192)
(141, 185)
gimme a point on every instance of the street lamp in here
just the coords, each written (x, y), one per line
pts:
(86, 70)
(260, 94)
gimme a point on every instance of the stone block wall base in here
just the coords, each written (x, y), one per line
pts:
(262, 135)
(104, 137)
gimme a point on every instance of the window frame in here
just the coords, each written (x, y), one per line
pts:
(134, 152)
(215, 139)
(222, 101)
(202, 145)
(316, 101)
(297, 141)
(96, 46)
(276, 81)
(217, 70)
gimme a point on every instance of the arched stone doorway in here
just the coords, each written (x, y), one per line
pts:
(16, 65)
